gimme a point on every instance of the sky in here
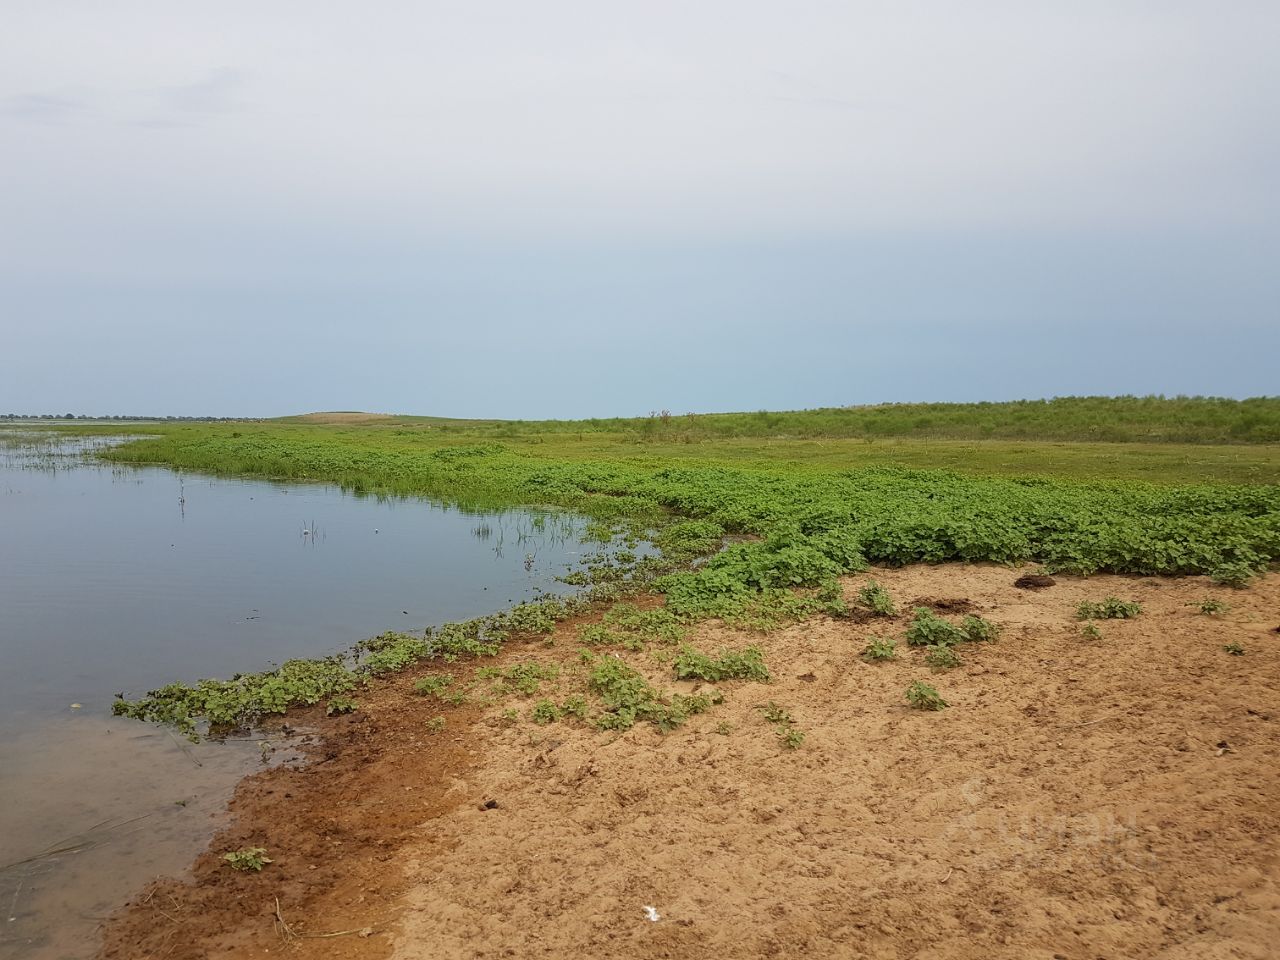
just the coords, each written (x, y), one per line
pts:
(574, 209)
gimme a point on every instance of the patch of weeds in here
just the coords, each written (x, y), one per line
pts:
(880, 648)
(789, 735)
(1111, 608)
(1235, 574)
(433, 684)
(235, 704)
(339, 705)
(876, 599)
(248, 859)
(436, 725)
(724, 728)
(930, 630)
(544, 712)
(628, 697)
(390, 651)
(978, 630)
(747, 664)
(921, 696)
(524, 678)
(1209, 607)
(1090, 631)
(775, 714)
(941, 657)
(575, 707)
(510, 717)
(1235, 648)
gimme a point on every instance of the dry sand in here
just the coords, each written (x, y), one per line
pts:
(1080, 799)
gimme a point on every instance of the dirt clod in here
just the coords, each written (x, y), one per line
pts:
(1034, 581)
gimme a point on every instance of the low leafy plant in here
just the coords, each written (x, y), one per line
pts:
(941, 657)
(1090, 631)
(921, 696)
(339, 705)
(575, 706)
(978, 630)
(775, 714)
(791, 737)
(248, 859)
(524, 678)
(1209, 607)
(1111, 608)
(1235, 574)
(876, 599)
(1235, 648)
(880, 648)
(433, 684)
(436, 725)
(747, 664)
(788, 734)
(544, 712)
(930, 630)
(628, 697)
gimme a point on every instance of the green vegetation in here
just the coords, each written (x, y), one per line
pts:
(881, 648)
(1090, 631)
(876, 599)
(545, 711)
(789, 735)
(1234, 573)
(524, 678)
(1234, 648)
(921, 696)
(745, 664)
(1209, 606)
(433, 684)
(248, 859)
(941, 657)
(628, 697)
(930, 630)
(338, 706)
(757, 515)
(978, 630)
(1111, 608)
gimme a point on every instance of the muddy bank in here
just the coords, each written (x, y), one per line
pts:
(1081, 798)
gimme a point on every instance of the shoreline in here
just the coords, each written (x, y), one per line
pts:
(1084, 769)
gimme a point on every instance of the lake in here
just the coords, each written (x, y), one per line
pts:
(120, 579)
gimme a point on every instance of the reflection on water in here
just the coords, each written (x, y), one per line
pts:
(114, 579)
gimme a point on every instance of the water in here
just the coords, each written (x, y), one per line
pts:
(123, 579)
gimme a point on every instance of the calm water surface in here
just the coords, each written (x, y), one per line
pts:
(122, 579)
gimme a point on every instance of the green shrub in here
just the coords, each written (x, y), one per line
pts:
(248, 859)
(1235, 574)
(929, 629)
(544, 711)
(880, 648)
(876, 599)
(747, 664)
(921, 696)
(978, 630)
(941, 657)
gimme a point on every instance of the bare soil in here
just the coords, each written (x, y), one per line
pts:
(1078, 799)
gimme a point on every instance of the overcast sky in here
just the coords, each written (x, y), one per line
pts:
(593, 208)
